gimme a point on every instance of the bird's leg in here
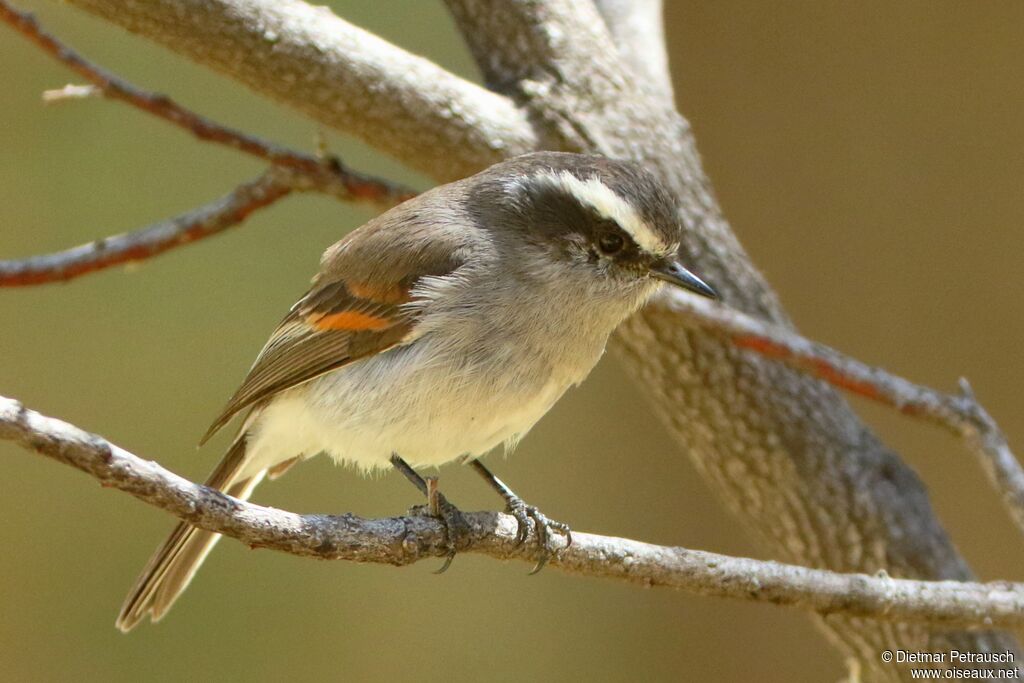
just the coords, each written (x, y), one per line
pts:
(409, 473)
(437, 505)
(523, 513)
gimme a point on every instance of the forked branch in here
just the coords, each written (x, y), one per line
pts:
(405, 540)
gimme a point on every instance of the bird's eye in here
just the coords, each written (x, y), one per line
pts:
(610, 243)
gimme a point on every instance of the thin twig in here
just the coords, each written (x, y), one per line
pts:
(207, 220)
(404, 540)
(960, 414)
(329, 175)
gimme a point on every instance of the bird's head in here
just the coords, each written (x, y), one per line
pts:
(609, 224)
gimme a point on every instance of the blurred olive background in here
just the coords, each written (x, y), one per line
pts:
(868, 154)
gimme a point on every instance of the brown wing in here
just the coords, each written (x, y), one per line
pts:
(355, 308)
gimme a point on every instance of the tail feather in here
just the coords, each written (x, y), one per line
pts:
(169, 571)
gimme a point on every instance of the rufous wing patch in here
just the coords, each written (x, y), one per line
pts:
(348, 321)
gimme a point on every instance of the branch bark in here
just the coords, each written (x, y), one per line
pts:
(405, 540)
(638, 30)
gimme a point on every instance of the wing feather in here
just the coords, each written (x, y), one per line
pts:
(299, 351)
(356, 307)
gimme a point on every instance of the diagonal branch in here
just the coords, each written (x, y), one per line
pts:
(330, 176)
(340, 75)
(405, 540)
(215, 217)
(960, 414)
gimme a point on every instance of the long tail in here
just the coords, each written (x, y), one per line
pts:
(174, 564)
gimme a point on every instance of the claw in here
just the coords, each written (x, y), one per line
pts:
(447, 563)
(540, 564)
(438, 507)
(519, 511)
(523, 513)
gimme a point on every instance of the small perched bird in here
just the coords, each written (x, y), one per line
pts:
(441, 329)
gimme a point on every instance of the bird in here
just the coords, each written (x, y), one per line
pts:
(440, 330)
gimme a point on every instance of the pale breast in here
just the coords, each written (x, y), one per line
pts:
(430, 402)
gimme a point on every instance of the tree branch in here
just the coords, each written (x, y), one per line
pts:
(339, 75)
(329, 176)
(215, 217)
(540, 46)
(639, 34)
(404, 540)
(960, 414)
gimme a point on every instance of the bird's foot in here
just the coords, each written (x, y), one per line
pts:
(450, 516)
(546, 529)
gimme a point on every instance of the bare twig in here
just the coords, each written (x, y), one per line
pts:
(329, 175)
(960, 414)
(404, 540)
(218, 215)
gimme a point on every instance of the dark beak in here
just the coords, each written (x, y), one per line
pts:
(670, 271)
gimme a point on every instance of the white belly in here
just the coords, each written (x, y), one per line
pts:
(429, 413)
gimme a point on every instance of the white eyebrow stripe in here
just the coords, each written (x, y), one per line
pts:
(608, 204)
